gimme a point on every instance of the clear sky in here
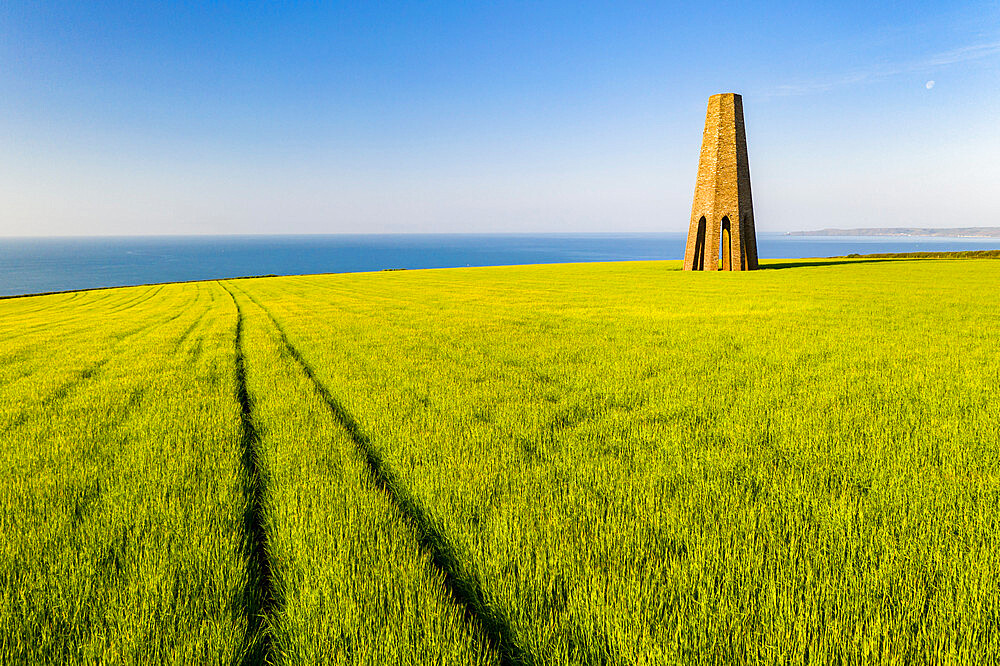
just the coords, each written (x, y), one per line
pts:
(175, 118)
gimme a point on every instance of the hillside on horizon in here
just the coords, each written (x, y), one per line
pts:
(958, 232)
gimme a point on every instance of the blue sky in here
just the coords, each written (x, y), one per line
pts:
(489, 117)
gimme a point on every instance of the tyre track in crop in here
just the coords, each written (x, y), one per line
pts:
(81, 321)
(143, 297)
(463, 586)
(260, 597)
(59, 393)
(85, 324)
(190, 329)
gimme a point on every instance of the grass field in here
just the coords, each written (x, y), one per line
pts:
(576, 464)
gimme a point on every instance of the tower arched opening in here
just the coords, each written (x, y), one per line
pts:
(726, 246)
(699, 245)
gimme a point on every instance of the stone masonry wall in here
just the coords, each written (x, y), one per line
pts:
(722, 191)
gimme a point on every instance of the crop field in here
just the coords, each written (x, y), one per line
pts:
(611, 463)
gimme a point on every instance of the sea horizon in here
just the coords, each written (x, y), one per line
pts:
(42, 264)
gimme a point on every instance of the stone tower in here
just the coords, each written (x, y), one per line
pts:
(721, 235)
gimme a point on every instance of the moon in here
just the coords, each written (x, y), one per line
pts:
(929, 84)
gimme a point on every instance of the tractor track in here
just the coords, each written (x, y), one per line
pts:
(463, 586)
(59, 393)
(260, 595)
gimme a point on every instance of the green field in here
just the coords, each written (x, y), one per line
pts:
(572, 464)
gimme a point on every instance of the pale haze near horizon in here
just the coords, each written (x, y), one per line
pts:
(122, 120)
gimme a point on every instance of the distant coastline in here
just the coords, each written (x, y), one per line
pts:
(962, 232)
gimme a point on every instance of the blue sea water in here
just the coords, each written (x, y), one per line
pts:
(33, 265)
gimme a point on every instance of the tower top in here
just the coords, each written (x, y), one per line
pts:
(721, 234)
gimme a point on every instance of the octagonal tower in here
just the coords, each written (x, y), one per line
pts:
(721, 235)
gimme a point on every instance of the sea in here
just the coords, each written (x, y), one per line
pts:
(38, 265)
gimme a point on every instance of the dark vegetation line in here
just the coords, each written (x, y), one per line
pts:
(126, 286)
(957, 254)
(260, 595)
(464, 587)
